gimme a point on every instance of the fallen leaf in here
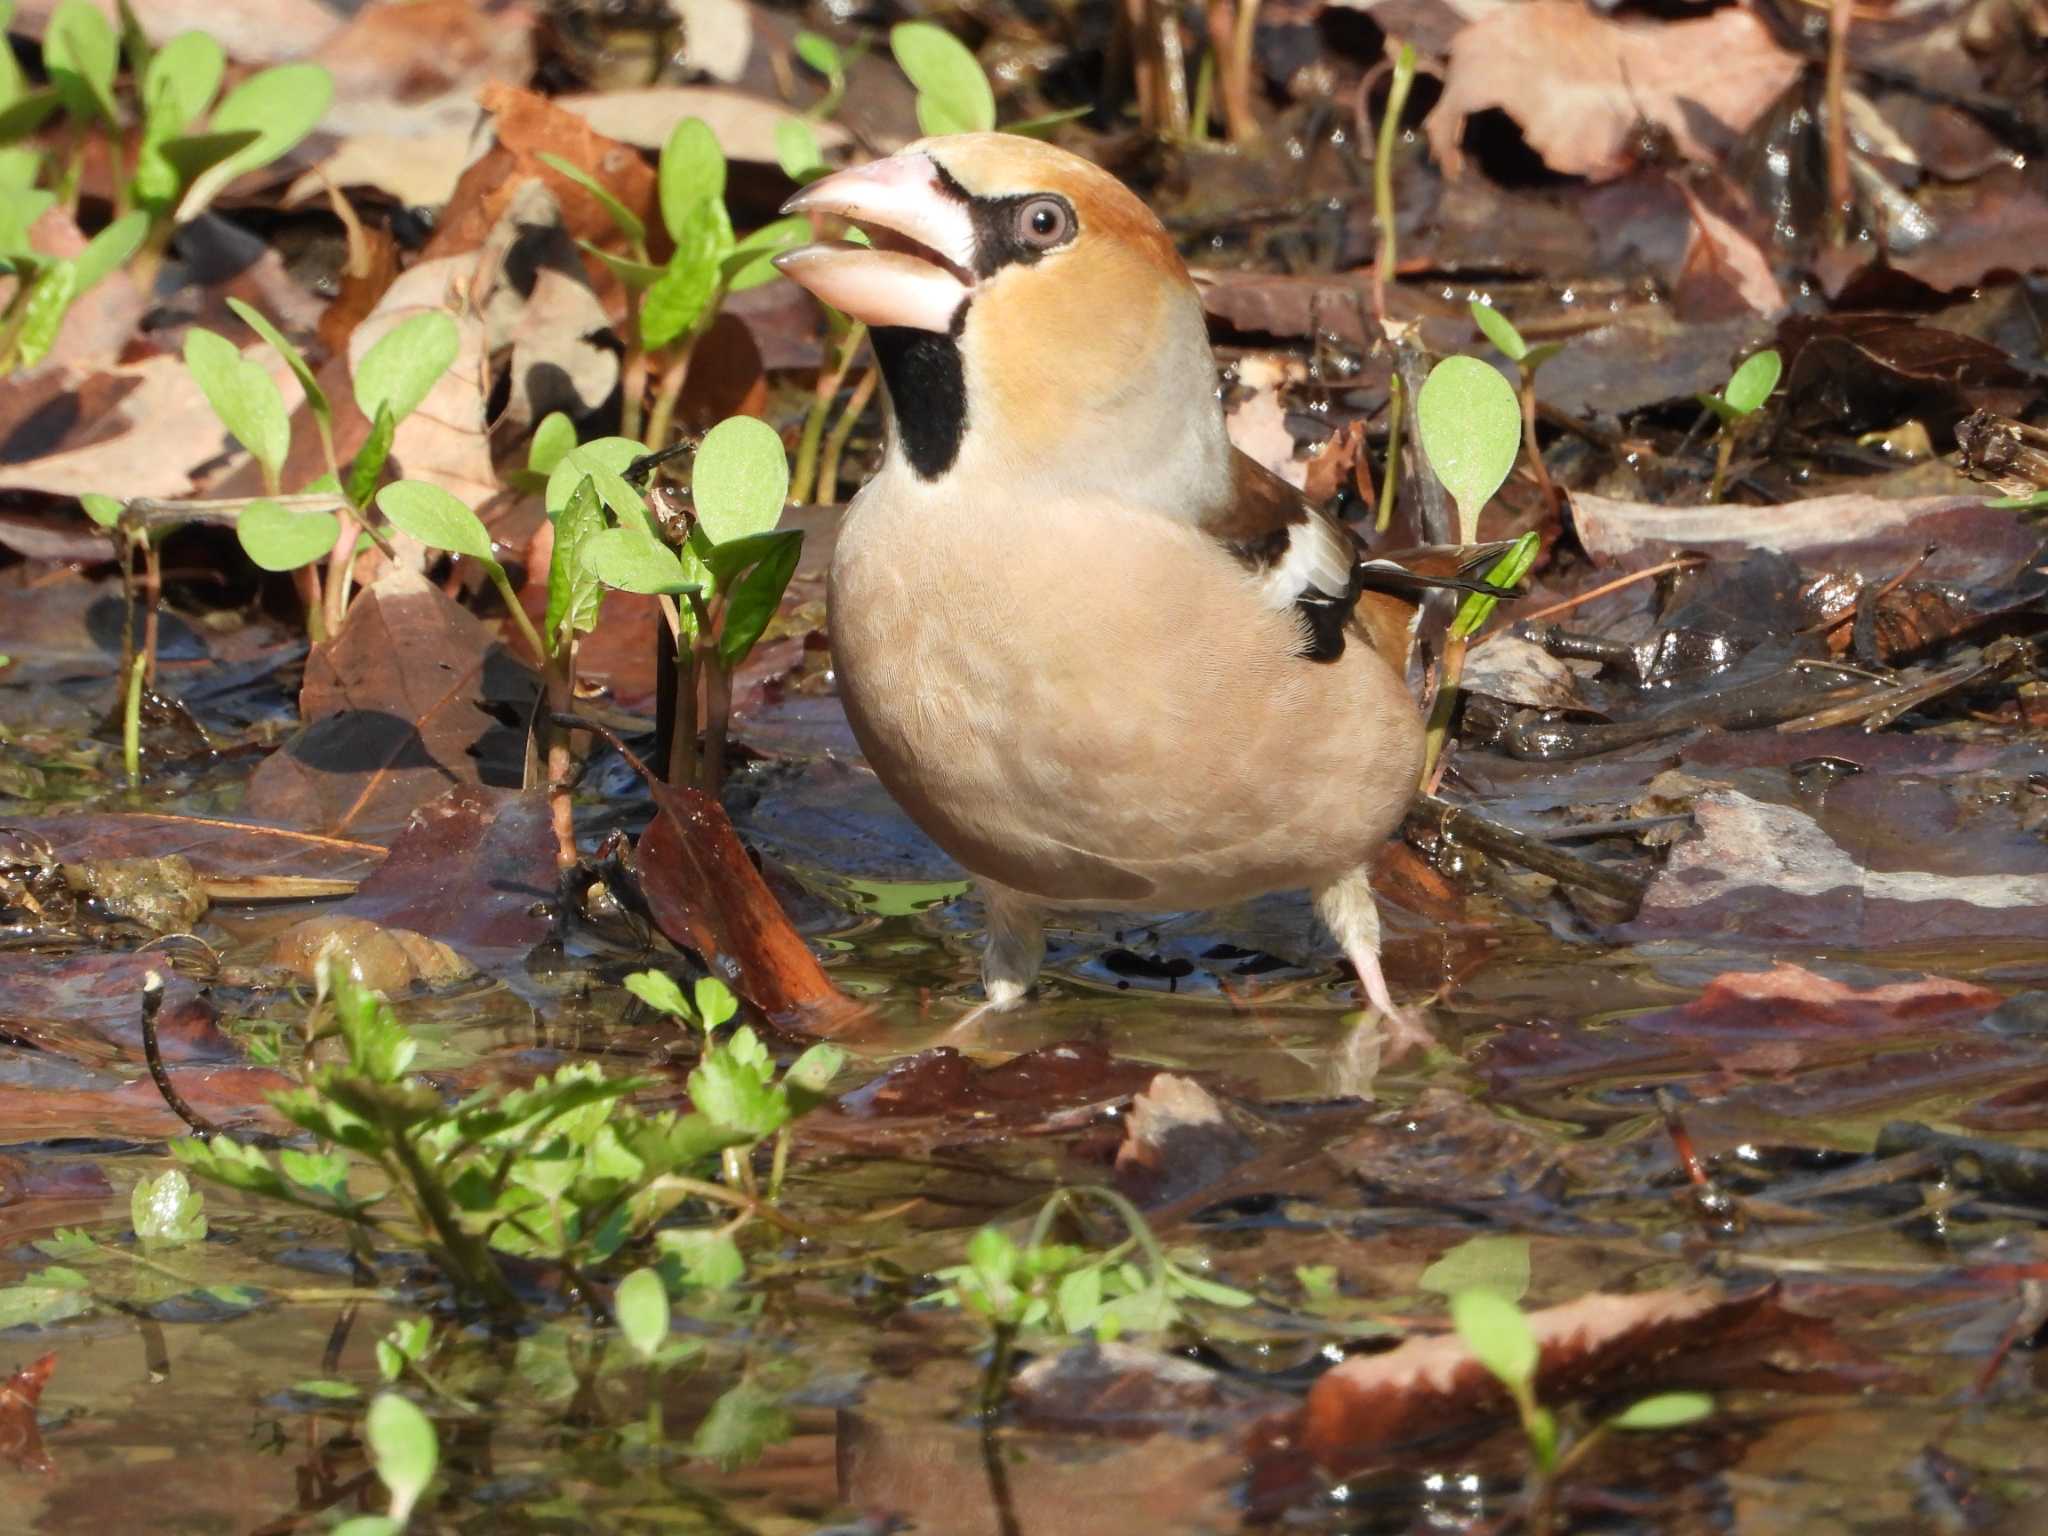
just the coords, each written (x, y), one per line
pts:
(1176, 1140)
(383, 738)
(744, 124)
(1724, 269)
(252, 31)
(21, 1439)
(1598, 79)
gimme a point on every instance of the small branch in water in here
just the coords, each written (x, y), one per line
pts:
(1464, 825)
(152, 1005)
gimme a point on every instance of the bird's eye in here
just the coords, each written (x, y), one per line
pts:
(1044, 222)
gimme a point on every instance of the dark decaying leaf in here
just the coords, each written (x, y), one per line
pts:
(87, 1007)
(382, 739)
(1177, 1140)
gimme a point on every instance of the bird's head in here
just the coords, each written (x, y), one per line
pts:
(1030, 314)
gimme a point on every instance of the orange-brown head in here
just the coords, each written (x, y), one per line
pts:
(1031, 316)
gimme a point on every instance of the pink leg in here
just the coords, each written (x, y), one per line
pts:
(1346, 908)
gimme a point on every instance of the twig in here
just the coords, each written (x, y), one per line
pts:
(1840, 192)
(1601, 591)
(152, 1053)
(1461, 824)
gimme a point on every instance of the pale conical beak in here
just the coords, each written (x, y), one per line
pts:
(921, 268)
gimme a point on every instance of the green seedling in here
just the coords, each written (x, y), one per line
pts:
(824, 56)
(406, 1453)
(564, 1171)
(671, 304)
(953, 95)
(1043, 1286)
(184, 149)
(1500, 1339)
(1501, 331)
(1736, 403)
(1470, 427)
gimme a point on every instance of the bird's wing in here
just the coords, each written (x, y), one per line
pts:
(1309, 561)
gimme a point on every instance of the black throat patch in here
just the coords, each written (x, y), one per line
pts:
(927, 391)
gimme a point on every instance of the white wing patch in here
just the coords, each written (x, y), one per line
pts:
(1320, 556)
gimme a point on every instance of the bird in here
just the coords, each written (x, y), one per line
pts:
(1102, 658)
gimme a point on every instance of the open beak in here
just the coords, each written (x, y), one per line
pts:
(920, 268)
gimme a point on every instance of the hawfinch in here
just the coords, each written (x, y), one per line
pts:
(1102, 658)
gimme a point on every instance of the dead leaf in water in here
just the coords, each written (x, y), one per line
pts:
(21, 1440)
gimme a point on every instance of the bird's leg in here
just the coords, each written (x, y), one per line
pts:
(1347, 910)
(1011, 955)
(1015, 948)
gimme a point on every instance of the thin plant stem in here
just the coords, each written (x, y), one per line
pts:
(633, 366)
(1529, 444)
(515, 611)
(131, 723)
(717, 694)
(1840, 193)
(1390, 486)
(682, 750)
(1722, 452)
(559, 679)
(1237, 91)
(1383, 174)
(661, 420)
(803, 476)
(152, 597)
(827, 488)
(1205, 92)
(1441, 709)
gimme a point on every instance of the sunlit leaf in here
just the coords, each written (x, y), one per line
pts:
(370, 459)
(43, 309)
(659, 992)
(633, 560)
(796, 150)
(1494, 1263)
(282, 105)
(953, 95)
(24, 114)
(820, 52)
(167, 1211)
(81, 54)
(641, 1306)
(611, 456)
(402, 1449)
(1751, 384)
(553, 438)
(751, 602)
(692, 174)
(1667, 1410)
(1499, 1337)
(710, 1260)
(242, 395)
(742, 1424)
(110, 249)
(715, 1002)
(281, 538)
(181, 80)
(1471, 428)
(257, 321)
(405, 363)
(436, 518)
(574, 593)
(740, 478)
(638, 276)
(683, 295)
(752, 260)
(1500, 331)
(104, 510)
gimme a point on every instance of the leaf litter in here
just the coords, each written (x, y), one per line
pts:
(1741, 1079)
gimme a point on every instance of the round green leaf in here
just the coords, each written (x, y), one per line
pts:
(587, 460)
(1667, 1410)
(632, 560)
(1751, 384)
(280, 538)
(953, 95)
(181, 80)
(555, 436)
(242, 395)
(403, 1449)
(796, 149)
(1494, 1329)
(104, 510)
(81, 54)
(820, 52)
(641, 1303)
(406, 362)
(436, 518)
(692, 174)
(281, 106)
(1471, 428)
(1500, 331)
(740, 479)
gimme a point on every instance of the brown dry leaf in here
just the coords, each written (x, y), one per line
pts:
(1360, 1410)
(445, 441)
(1176, 1140)
(1725, 272)
(745, 124)
(526, 126)
(382, 739)
(252, 31)
(21, 1440)
(1578, 84)
(1258, 423)
(406, 79)
(134, 431)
